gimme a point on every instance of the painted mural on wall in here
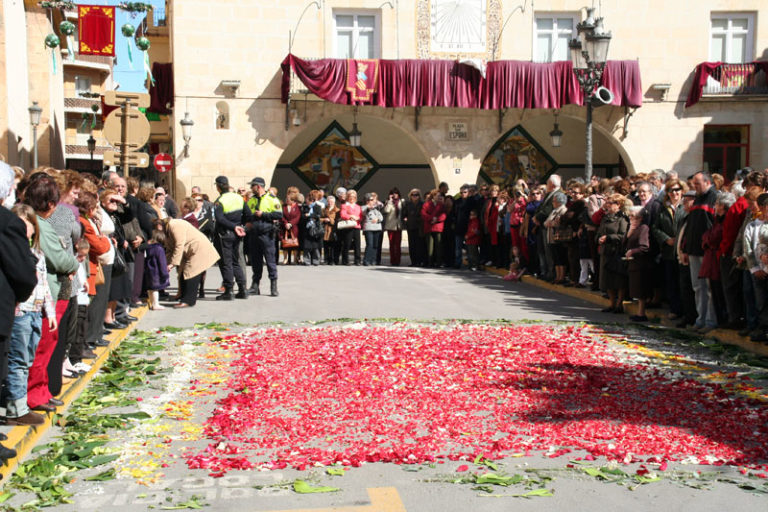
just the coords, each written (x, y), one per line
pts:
(331, 161)
(516, 155)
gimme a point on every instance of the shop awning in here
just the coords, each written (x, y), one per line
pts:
(450, 83)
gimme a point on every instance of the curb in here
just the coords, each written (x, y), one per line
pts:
(24, 438)
(726, 336)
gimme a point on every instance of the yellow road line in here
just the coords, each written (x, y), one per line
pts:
(24, 438)
(383, 499)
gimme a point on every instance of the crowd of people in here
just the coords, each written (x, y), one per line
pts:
(92, 249)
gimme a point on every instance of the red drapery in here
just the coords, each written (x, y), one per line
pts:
(706, 69)
(448, 83)
(96, 30)
(161, 93)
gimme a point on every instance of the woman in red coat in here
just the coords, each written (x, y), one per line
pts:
(290, 225)
(490, 223)
(433, 215)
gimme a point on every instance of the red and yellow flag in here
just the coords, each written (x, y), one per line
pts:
(362, 78)
(96, 30)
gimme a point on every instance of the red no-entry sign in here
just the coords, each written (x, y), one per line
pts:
(163, 162)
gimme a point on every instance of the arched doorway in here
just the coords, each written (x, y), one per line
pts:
(320, 156)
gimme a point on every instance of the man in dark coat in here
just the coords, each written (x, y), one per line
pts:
(700, 219)
(18, 276)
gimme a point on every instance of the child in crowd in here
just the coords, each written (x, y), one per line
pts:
(27, 330)
(155, 269)
(516, 268)
(78, 350)
(472, 239)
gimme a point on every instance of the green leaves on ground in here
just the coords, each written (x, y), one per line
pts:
(302, 487)
(335, 471)
(195, 502)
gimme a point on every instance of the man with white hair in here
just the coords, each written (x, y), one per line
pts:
(18, 276)
(544, 250)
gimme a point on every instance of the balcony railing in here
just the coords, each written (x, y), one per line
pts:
(736, 79)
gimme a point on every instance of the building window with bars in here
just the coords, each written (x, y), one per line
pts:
(357, 35)
(553, 31)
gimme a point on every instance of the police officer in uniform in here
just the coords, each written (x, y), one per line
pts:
(228, 211)
(263, 212)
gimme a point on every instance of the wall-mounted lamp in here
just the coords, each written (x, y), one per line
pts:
(295, 118)
(186, 132)
(355, 135)
(663, 88)
(556, 135)
(35, 111)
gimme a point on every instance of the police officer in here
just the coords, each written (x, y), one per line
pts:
(228, 211)
(264, 210)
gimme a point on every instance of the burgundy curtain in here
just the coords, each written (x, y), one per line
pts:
(161, 93)
(447, 83)
(706, 69)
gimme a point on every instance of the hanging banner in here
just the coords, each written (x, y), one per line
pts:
(96, 29)
(362, 78)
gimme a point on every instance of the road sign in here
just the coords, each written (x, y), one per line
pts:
(163, 162)
(136, 126)
(133, 158)
(134, 99)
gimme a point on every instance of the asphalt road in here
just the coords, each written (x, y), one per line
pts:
(314, 294)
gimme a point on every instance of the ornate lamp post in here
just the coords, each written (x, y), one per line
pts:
(589, 54)
(91, 148)
(34, 119)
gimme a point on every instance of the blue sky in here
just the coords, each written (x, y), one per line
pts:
(130, 77)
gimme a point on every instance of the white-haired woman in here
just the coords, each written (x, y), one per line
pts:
(640, 262)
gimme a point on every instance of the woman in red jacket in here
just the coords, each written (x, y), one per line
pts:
(490, 223)
(290, 225)
(433, 215)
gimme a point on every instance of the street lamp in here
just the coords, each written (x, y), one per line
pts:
(556, 135)
(91, 148)
(186, 132)
(34, 119)
(589, 54)
(355, 135)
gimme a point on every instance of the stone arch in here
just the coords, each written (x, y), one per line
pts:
(399, 154)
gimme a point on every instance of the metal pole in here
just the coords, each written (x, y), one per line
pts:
(588, 158)
(34, 145)
(91, 162)
(124, 140)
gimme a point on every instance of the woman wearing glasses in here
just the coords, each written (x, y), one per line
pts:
(610, 237)
(414, 227)
(663, 230)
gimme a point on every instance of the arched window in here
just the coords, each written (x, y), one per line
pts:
(222, 115)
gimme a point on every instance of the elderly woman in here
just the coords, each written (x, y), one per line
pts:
(190, 251)
(330, 237)
(393, 224)
(664, 230)
(433, 218)
(414, 227)
(640, 264)
(350, 236)
(710, 266)
(610, 238)
(290, 224)
(557, 235)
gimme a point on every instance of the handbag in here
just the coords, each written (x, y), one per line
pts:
(119, 266)
(99, 276)
(346, 224)
(563, 234)
(289, 242)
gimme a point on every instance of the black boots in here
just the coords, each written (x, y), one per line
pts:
(227, 295)
(254, 289)
(242, 294)
(273, 287)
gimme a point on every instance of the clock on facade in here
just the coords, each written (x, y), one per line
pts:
(458, 26)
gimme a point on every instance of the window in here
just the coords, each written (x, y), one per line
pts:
(553, 32)
(82, 84)
(357, 35)
(726, 149)
(732, 37)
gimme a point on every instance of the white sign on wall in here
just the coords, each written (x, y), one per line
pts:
(458, 130)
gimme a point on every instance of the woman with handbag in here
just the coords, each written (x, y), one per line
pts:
(349, 227)
(574, 218)
(121, 287)
(610, 238)
(330, 236)
(313, 229)
(558, 233)
(640, 263)
(290, 224)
